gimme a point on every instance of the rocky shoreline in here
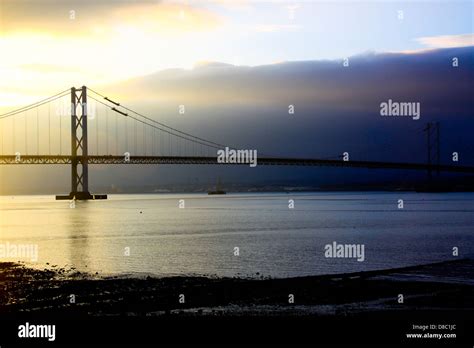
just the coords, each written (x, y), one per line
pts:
(444, 286)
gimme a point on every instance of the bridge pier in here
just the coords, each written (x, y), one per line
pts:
(80, 196)
(79, 150)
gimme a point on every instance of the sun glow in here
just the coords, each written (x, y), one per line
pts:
(127, 41)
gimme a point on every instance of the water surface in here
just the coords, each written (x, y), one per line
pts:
(273, 240)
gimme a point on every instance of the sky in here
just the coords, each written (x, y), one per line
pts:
(237, 65)
(48, 46)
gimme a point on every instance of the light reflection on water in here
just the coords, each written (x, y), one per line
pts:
(273, 240)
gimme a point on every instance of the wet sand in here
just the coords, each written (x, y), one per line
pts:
(445, 286)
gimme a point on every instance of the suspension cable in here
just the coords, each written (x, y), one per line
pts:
(164, 130)
(31, 106)
(154, 121)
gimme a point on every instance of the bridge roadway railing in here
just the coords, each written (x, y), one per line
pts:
(66, 159)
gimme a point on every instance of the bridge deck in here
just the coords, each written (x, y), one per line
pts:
(34, 159)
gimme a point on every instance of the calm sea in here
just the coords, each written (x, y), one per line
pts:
(272, 240)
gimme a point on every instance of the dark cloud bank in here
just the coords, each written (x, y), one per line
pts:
(337, 109)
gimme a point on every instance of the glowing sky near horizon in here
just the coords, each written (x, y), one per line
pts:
(46, 47)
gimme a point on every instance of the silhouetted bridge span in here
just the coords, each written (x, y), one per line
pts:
(266, 161)
(34, 140)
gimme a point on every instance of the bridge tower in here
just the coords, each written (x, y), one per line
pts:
(432, 145)
(79, 150)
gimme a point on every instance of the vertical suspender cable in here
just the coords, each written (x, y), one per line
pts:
(135, 150)
(26, 132)
(97, 130)
(60, 138)
(106, 132)
(49, 129)
(126, 135)
(116, 135)
(37, 131)
(13, 132)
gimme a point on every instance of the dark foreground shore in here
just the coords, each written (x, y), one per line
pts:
(445, 286)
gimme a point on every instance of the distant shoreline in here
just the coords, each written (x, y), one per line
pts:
(283, 192)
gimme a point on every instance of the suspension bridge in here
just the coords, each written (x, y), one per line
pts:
(61, 135)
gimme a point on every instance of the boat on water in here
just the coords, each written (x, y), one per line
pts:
(218, 190)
